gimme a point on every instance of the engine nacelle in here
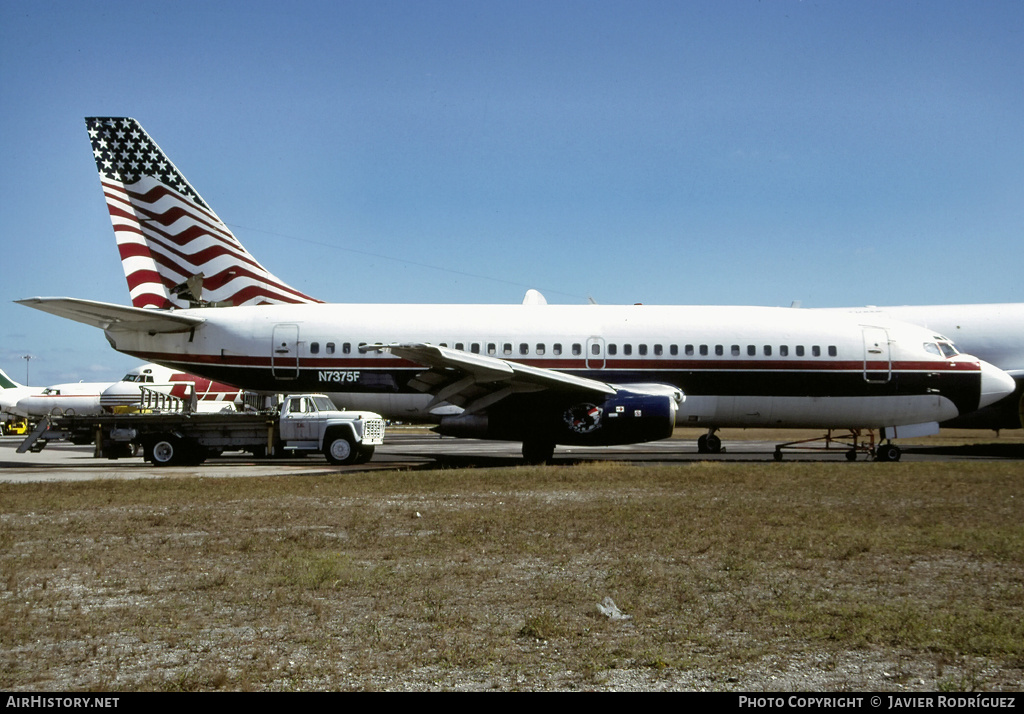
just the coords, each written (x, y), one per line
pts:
(623, 418)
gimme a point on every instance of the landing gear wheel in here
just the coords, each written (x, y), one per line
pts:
(778, 455)
(538, 452)
(340, 451)
(888, 452)
(851, 455)
(709, 444)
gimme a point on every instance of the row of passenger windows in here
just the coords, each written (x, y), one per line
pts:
(613, 348)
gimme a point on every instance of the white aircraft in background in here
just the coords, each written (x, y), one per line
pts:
(537, 373)
(210, 396)
(10, 393)
(90, 398)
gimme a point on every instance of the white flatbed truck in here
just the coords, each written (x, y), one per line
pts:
(304, 423)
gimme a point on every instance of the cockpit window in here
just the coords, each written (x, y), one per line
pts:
(942, 348)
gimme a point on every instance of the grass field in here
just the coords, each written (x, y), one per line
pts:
(742, 576)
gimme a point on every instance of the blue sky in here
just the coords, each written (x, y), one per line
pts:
(836, 153)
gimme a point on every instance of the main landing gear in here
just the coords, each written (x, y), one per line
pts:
(710, 443)
(538, 451)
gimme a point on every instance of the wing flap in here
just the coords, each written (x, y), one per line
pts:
(475, 381)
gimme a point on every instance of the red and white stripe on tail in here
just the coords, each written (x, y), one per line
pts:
(166, 233)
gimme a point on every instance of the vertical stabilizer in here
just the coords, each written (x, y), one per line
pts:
(167, 235)
(6, 382)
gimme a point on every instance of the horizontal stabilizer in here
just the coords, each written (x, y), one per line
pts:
(107, 316)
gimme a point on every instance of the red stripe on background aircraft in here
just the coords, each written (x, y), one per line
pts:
(88, 398)
(536, 373)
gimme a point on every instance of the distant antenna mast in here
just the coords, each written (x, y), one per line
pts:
(27, 358)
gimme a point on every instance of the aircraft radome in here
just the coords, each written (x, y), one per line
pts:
(536, 373)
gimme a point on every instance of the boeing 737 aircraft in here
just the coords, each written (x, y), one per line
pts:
(536, 373)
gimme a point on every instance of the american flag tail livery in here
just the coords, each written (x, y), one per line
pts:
(174, 249)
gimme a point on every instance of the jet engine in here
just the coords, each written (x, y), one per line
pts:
(626, 417)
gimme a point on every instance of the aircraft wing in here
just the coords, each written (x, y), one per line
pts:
(108, 316)
(474, 381)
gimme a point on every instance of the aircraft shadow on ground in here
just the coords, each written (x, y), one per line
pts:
(992, 451)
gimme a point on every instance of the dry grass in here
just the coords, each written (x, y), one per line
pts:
(735, 576)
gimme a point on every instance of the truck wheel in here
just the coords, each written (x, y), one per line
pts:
(340, 450)
(364, 454)
(165, 451)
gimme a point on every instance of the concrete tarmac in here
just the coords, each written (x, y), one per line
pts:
(415, 451)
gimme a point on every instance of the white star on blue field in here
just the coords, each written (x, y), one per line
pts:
(737, 152)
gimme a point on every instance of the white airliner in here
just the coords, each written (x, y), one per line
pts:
(89, 398)
(536, 373)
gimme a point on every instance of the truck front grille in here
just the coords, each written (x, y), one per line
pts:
(374, 431)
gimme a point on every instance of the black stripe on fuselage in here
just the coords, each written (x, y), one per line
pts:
(961, 387)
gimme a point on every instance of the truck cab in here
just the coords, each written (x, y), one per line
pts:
(311, 422)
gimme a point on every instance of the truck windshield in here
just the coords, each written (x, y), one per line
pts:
(324, 404)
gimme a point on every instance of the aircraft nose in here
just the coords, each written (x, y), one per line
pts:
(995, 384)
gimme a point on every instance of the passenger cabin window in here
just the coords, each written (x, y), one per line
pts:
(784, 351)
(330, 348)
(703, 350)
(612, 349)
(627, 349)
(735, 350)
(577, 349)
(540, 348)
(673, 350)
(719, 350)
(314, 348)
(832, 351)
(816, 351)
(767, 350)
(642, 349)
(475, 348)
(556, 348)
(507, 348)
(524, 349)
(751, 351)
(346, 348)
(658, 351)
(799, 350)
(492, 349)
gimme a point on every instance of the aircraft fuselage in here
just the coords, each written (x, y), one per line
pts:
(737, 366)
